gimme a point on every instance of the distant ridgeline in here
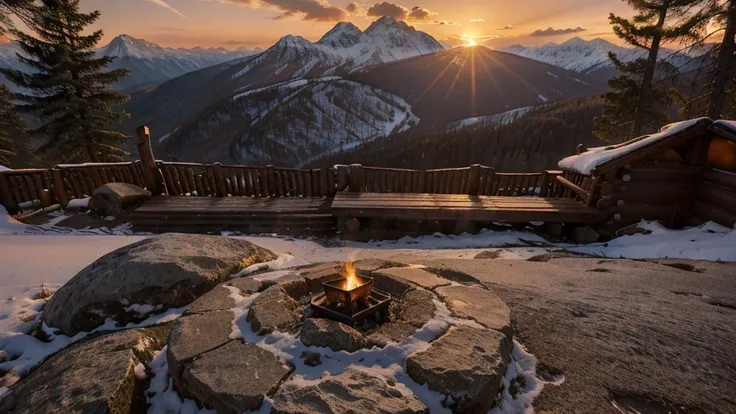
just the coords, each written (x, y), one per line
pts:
(534, 141)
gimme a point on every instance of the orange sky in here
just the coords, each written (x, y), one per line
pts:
(251, 23)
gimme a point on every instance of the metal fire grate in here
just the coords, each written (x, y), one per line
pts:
(375, 305)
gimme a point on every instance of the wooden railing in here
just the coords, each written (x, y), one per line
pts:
(26, 189)
(473, 180)
(716, 197)
(217, 180)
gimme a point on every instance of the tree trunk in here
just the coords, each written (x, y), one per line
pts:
(646, 84)
(93, 155)
(726, 65)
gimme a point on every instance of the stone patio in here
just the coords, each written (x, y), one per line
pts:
(465, 361)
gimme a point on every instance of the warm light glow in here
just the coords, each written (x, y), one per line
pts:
(350, 272)
(472, 43)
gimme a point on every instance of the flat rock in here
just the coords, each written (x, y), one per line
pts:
(353, 391)
(585, 235)
(247, 285)
(216, 299)
(416, 307)
(234, 378)
(371, 265)
(164, 272)
(112, 199)
(391, 284)
(465, 363)
(194, 335)
(482, 305)
(321, 273)
(92, 376)
(390, 332)
(273, 310)
(326, 333)
(419, 277)
(296, 288)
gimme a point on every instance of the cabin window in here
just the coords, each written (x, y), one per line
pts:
(722, 154)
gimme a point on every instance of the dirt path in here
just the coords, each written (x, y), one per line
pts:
(636, 334)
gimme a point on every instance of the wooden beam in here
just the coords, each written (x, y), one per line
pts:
(6, 197)
(573, 187)
(59, 188)
(154, 181)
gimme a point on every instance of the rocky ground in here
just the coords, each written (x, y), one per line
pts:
(639, 335)
(608, 335)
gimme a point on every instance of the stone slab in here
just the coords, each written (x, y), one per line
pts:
(419, 277)
(465, 363)
(326, 333)
(353, 391)
(214, 300)
(194, 335)
(481, 305)
(235, 378)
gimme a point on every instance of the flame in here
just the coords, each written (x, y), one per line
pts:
(351, 276)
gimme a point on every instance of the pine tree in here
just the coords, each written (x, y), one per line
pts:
(70, 92)
(23, 9)
(724, 76)
(636, 102)
(12, 128)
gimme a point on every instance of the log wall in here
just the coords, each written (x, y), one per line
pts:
(716, 197)
(648, 190)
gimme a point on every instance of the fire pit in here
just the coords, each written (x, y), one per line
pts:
(350, 298)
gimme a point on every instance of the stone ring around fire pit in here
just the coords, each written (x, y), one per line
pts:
(465, 361)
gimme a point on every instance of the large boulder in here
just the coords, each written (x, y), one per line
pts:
(113, 198)
(106, 374)
(353, 391)
(467, 364)
(149, 276)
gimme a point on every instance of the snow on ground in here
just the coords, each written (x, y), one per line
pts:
(9, 225)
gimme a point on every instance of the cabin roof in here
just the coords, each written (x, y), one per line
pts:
(613, 156)
(725, 129)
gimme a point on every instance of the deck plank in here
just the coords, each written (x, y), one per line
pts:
(463, 207)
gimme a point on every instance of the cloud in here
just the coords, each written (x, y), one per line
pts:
(479, 20)
(168, 29)
(418, 13)
(556, 32)
(166, 5)
(388, 9)
(313, 10)
(477, 38)
(507, 27)
(446, 23)
(353, 8)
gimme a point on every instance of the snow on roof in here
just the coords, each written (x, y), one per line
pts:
(588, 161)
(729, 126)
(4, 168)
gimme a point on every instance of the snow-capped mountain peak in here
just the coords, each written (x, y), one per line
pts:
(128, 46)
(343, 36)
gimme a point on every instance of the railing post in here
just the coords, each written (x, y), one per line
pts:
(545, 184)
(342, 177)
(355, 178)
(271, 180)
(219, 180)
(6, 198)
(474, 180)
(150, 170)
(59, 188)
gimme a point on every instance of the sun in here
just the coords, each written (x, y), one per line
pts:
(472, 43)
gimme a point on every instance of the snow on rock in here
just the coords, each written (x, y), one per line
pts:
(502, 118)
(161, 395)
(586, 162)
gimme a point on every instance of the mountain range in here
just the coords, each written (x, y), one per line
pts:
(149, 64)
(588, 56)
(298, 100)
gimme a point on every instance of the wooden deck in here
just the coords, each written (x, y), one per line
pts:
(287, 216)
(318, 216)
(463, 207)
